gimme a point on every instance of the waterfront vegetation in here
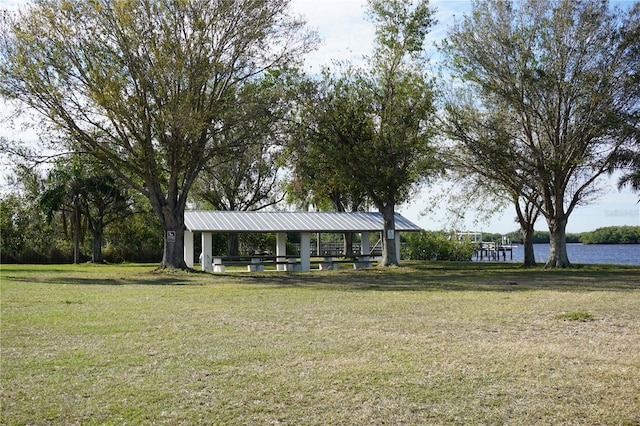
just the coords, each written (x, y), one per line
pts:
(612, 235)
(427, 343)
(606, 235)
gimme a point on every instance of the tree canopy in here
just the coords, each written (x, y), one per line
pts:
(148, 88)
(373, 130)
(334, 116)
(161, 92)
(87, 196)
(558, 70)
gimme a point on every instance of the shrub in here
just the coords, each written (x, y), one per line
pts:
(612, 235)
(429, 245)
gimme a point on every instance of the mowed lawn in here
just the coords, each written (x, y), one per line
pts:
(428, 343)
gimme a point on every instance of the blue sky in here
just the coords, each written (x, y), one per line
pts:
(347, 35)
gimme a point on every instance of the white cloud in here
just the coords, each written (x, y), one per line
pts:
(348, 35)
(342, 27)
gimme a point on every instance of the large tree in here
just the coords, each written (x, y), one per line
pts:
(488, 160)
(558, 69)
(27, 236)
(147, 87)
(400, 152)
(374, 131)
(629, 158)
(335, 116)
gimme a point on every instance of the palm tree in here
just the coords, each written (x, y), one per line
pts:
(88, 198)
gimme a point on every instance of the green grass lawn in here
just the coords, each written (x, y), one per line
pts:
(430, 343)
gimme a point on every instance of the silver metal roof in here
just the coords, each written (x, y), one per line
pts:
(232, 221)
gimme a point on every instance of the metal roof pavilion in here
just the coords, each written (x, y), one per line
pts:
(324, 222)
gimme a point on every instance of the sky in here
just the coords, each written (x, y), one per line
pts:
(347, 35)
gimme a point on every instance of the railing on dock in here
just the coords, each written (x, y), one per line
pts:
(488, 250)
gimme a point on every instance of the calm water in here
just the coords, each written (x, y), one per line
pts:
(621, 254)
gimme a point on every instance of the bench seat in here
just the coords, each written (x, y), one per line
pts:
(253, 264)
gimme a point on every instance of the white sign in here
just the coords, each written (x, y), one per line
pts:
(391, 234)
(171, 236)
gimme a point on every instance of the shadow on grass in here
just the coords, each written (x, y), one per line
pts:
(415, 276)
(158, 281)
(107, 275)
(459, 277)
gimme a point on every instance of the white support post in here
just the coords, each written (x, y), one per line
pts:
(305, 252)
(188, 248)
(398, 247)
(206, 262)
(365, 245)
(363, 259)
(281, 251)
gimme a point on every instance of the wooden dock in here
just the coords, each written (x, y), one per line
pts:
(492, 251)
(488, 250)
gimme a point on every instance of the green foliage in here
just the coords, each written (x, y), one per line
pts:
(149, 88)
(488, 236)
(550, 91)
(607, 235)
(324, 150)
(428, 245)
(401, 150)
(86, 195)
(27, 235)
(576, 316)
(628, 158)
(539, 237)
(137, 238)
(33, 233)
(612, 235)
(247, 175)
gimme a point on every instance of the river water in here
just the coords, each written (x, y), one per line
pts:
(620, 254)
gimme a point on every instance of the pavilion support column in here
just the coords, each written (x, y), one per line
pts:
(281, 251)
(188, 248)
(398, 246)
(365, 245)
(207, 252)
(305, 252)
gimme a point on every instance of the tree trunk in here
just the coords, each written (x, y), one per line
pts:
(170, 210)
(76, 230)
(558, 257)
(173, 255)
(527, 237)
(233, 244)
(527, 215)
(348, 244)
(96, 245)
(390, 256)
(173, 227)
